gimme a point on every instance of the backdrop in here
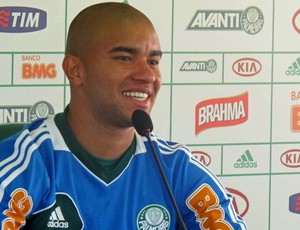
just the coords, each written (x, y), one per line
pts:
(231, 88)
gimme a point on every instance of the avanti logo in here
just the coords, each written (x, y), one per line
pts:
(246, 161)
(25, 113)
(14, 19)
(221, 112)
(208, 66)
(291, 158)
(250, 20)
(246, 67)
(294, 68)
(203, 157)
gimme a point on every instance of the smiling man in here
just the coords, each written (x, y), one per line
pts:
(87, 168)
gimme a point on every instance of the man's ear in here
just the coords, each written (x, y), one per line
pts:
(71, 66)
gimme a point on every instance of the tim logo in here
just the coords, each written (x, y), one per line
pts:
(247, 67)
(294, 203)
(221, 112)
(240, 202)
(15, 19)
(291, 158)
(203, 157)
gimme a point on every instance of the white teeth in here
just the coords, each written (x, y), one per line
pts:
(136, 95)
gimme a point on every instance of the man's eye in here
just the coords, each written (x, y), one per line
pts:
(154, 62)
(124, 58)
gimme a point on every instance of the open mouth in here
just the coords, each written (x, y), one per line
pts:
(139, 96)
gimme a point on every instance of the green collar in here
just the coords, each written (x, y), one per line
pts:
(107, 170)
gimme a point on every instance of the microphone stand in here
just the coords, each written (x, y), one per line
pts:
(181, 222)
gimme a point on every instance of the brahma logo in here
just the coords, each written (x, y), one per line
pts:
(294, 203)
(15, 19)
(247, 67)
(291, 158)
(296, 21)
(221, 112)
(203, 157)
(240, 202)
(250, 20)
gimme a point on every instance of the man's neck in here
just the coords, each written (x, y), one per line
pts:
(98, 139)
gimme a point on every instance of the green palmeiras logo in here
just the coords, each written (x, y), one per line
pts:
(41, 109)
(153, 216)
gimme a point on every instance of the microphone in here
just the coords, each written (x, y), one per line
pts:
(143, 124)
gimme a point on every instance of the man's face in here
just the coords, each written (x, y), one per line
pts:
(122, 72)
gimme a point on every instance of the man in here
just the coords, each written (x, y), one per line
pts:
(87, 168)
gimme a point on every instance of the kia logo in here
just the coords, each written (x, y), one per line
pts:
(203, 157)
(291, 158)
(246, 67)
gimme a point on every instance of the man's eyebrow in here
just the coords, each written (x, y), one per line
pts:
(124, 49)
(132, 50)
(156, 53)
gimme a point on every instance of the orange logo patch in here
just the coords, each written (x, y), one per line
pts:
(19, 206)
(204, 203)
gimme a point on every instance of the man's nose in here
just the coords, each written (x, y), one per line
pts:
(144, 72)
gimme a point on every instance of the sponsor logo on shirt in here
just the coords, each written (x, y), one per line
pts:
(19, 206)
(57, 220)
(204, 203)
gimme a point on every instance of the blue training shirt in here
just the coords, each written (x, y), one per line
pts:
(43, 185)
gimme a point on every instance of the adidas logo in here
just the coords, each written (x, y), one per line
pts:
(246, 161)
(294, 69)
(57, 219)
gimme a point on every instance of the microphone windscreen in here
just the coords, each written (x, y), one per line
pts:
(142, 122)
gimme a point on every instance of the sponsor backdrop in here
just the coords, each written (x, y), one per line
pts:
(231, 73)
